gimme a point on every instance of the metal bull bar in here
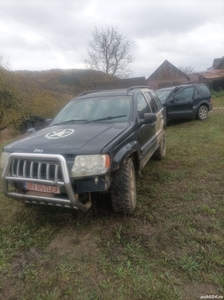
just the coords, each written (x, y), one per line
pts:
(57, 159)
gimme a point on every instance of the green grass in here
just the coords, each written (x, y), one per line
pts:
(218, 94)
(171, 248)
(218, 101)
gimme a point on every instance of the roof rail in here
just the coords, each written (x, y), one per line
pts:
(88, 92)
(137, 87)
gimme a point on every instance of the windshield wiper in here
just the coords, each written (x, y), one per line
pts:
(70, 121)
(107, 118)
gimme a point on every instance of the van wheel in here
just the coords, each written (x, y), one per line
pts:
(123, 189)
(202, 112)
(161, 151)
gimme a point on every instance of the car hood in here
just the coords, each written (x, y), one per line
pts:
(69, 139)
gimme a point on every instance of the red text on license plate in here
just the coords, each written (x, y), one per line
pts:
(42, 188)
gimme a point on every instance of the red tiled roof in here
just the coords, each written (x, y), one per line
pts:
(213, 74)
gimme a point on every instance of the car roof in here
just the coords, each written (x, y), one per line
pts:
(167, 88)
(114, 92)
(180, 86)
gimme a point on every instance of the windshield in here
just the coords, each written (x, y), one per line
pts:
(102, 109)
(163, 94)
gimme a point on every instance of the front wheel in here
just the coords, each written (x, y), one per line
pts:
(123, 189)
(202, 112)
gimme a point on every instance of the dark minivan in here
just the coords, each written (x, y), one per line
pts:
(186, 101)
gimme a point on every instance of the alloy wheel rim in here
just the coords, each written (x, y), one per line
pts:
(203, 112)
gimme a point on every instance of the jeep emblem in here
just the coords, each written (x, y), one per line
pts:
(60, 133)
(38, 150)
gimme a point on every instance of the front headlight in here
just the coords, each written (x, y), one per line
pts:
(86, 165)
(4, 158)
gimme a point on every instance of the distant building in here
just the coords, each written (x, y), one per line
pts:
(218, 63)
(214, 76)
(167, 75)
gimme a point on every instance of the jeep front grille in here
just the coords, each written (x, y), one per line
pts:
(35, 170)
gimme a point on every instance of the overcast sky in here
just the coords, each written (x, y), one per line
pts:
(49, 34)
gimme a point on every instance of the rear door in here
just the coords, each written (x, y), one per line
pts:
(146, 131)
(180, 105)
(159, 111)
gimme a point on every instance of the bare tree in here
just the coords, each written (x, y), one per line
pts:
(4, 63)
(186, 70)
(109, 51)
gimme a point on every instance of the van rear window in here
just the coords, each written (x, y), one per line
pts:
(202, 88)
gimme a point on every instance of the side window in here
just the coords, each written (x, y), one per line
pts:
(154, 106)
(184, 94)
(142, 106)
(203, 90)
(196, 93)
(179, 96)
(188, 93)
(158, 102)
(152, 103)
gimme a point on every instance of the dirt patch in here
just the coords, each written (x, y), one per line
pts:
(217, 108)
(196, 291)
(9, 290)
(202, 219)
(73, 244)
(21, 259)
(12, 288)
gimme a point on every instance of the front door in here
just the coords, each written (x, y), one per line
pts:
(180, 105)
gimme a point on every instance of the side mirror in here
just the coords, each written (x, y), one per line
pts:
(171, 100)
(31, 130)
(48, 121)
(149, 118)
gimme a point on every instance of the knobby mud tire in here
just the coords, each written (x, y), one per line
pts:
(123, 189)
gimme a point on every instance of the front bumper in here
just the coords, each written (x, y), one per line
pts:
(42, 169)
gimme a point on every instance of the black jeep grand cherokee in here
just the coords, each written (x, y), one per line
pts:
(186, 101)
(96, 143)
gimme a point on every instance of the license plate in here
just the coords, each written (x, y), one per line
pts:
(42, 188)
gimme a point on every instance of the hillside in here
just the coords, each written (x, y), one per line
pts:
(43, 93)
(68, 82)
